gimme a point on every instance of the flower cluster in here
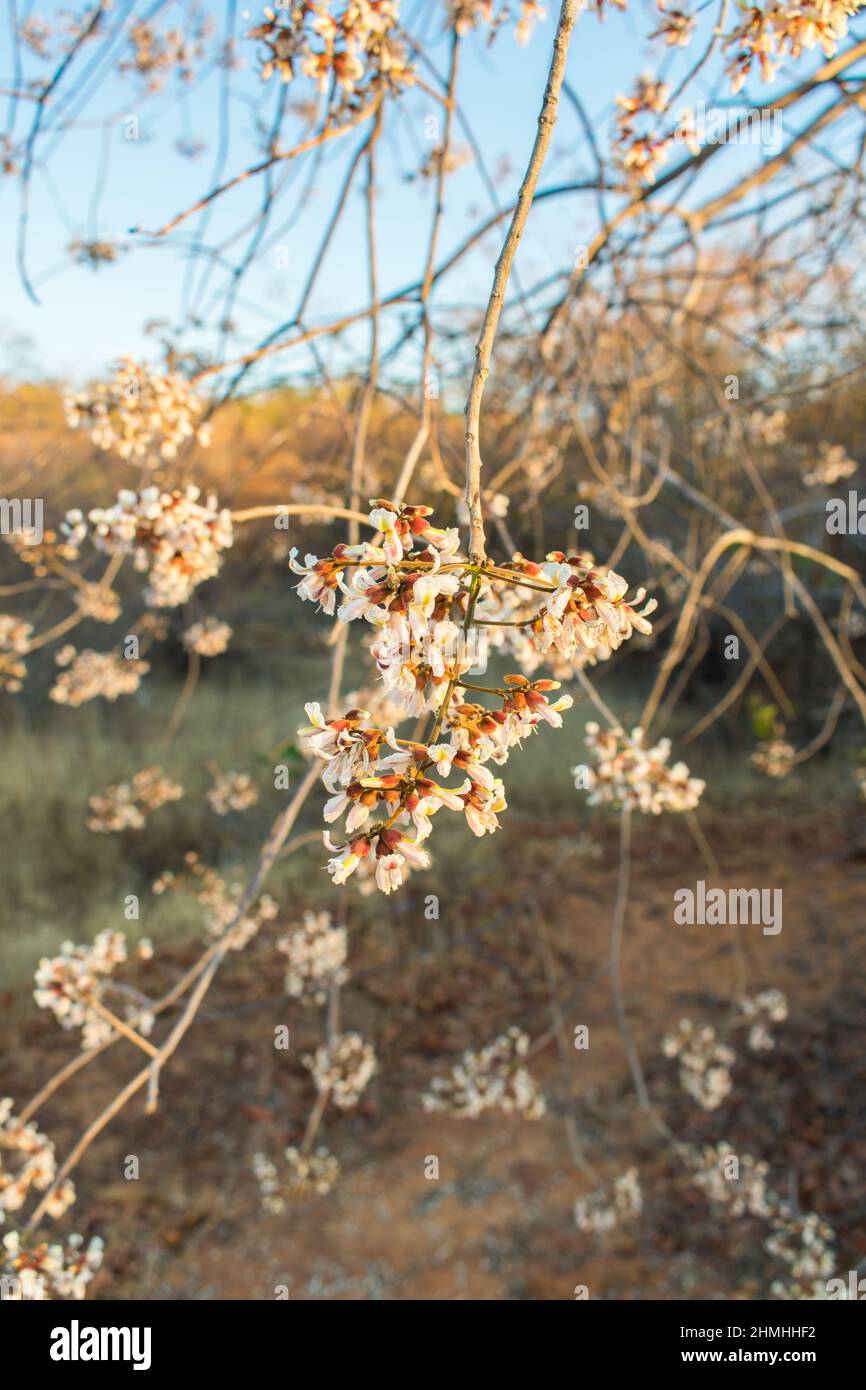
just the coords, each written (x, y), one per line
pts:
(425, 602)
(629, 774)
(411, 597)
(639, 151)
(600, 1213)
(588, 610)
(342, 1068)
(747, 1193)
(677, 27)
(221, 901)
(172, 537)
(449, 161)
(94, 253)
(759, 1011)
(232, 791)
(774, 757)
(468, 14)
(705, 1063)
(356, 50)
(13, 673)
(804, 1244)
(305, 1174)
(27, 1162)
(72, 984)
(494, 1078)
(768, 426)
(144, 415)
(368, 771)
(316, 953)
(14, 634)
(89, 675)
(35, 33)
(833, 463)
(210, 637)
(43, 1272)
(126, 806)
(775, 28)
(802, 1241)
(97, 602)
(45, 556)
(154, 625)
(155, 55)
(14, 642)
(471, 14)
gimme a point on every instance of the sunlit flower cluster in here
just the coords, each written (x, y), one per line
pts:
(154, 625)
(35, 33)
(471, 14)
(494, 1078)
(342, 1068)
(423, 600)
(14, 642)
(174, 538)
(629, 774)
(638, 149)
(94, 253)
(210, 637)
(588, 609)
(143, 415)
(601, 1212)
(303, 1175)
(316, 957)
(357, 49)
(771, 31)
(232, 791)
(44, 556)
(97, 602)
(27, 1162)
(770, 427)
(833, 464)
(43, 1272)
(705, 1063)
(90, 675)
(370, 772)
(155, 55)
(450, 161)
(14, 634)
(677, 27)
(13, 673)
(127, 805)
(71, 985)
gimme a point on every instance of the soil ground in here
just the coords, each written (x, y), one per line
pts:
(497, 1223)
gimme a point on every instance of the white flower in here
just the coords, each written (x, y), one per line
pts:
(389, 872)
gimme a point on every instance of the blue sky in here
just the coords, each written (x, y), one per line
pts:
(85, 319)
